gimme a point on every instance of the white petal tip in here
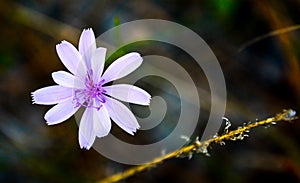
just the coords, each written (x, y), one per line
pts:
(48, 123)
(60, 43)
(32, 98)
(88, 32)
(87, 29)
(146, 101)
(133, 131)
(63, 42)
(85, 147)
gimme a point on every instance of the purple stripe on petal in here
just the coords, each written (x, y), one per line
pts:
(68, 55)
(51, 95)
(122, 66)
(121, 115)
(60, 112)
(86, 135)
(128, 93)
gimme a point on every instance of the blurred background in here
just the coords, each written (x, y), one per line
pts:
(262, 78)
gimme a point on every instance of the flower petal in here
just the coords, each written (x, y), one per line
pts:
(98, 60)
(51, 95)
(122, 67)
(102, 123)
(87, 46)
(86, 135)
(69, 56)
(121, 115)
(67, 80)
(128, 93)
(60, 112)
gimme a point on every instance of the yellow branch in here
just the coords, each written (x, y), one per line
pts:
(270, 34)
(201, 147)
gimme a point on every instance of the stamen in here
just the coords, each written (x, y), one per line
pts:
(85, 97)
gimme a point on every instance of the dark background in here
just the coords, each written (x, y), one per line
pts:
(262, 79)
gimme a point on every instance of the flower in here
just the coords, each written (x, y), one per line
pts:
(85, 86)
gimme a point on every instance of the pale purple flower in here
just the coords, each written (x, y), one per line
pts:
(85, 87)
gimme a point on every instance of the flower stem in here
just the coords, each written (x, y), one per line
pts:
(201, 147)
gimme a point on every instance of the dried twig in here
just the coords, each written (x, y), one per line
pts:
(201, 147)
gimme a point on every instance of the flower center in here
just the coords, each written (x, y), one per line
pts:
(91, 96)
